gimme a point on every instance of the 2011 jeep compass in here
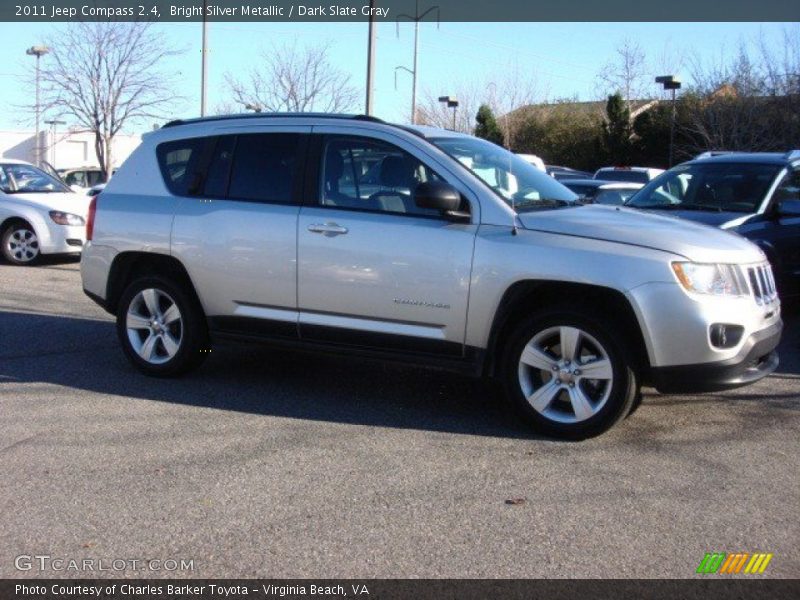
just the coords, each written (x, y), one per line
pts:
(345, 233)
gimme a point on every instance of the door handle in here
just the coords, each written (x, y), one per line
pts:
(328, 229)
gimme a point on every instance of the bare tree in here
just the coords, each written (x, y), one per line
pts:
(626, 73)
(504, 94)
(509, 97)
(296, 79)
(105, 76)
(748, 101)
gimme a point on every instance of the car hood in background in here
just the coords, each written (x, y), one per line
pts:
(77, 204)
(715, 219)
(696, 242)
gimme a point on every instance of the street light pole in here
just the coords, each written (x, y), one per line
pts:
(38, 52)
(670, 82)
(451, 103)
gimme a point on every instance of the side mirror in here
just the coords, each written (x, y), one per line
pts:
(438, 196)
(789, 208)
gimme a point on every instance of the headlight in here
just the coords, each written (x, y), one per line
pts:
(63, 218)
(715, 280)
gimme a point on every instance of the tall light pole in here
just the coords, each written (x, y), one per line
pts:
(416, 19)
(368, 107)
(38, 52)
(204, 64)
(670, 82)
(53, 124)
(451, 103)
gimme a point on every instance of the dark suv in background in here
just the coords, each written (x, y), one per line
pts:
(754, 194)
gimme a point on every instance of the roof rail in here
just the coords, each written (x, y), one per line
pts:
(274, 115)
(792, 155)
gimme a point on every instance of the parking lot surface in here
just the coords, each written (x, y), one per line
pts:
(276, 464)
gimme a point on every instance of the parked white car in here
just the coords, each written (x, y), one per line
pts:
(641, 175)
(39, 214)
(534, 160)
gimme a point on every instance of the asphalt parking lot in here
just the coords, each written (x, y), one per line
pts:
(271, 464)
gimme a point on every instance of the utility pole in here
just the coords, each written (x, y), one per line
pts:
(368, 107)
(204, 65)
(38, 52)
(416, 19)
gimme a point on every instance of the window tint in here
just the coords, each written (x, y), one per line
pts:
(263, 167)
(788, 189)
(372, 175)
(177, 161)
(734, 187)
(218, 173)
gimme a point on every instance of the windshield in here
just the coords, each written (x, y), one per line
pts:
(22, 178)
(716, 187)
(520, 184)
(622, 175)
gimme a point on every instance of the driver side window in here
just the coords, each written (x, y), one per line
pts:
(371, 175)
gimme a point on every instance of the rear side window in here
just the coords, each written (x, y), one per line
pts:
(177, 161)
(264, 167)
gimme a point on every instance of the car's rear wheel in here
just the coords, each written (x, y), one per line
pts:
(20, 244)
(568, 375)
(162, 328)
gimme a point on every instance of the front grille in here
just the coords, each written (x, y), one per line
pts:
(762, 284)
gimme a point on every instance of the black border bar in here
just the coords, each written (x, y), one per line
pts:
(305, 11)
(706, 588)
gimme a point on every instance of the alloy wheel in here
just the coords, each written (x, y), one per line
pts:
(23, 245)
(154, 325)
(565, 374)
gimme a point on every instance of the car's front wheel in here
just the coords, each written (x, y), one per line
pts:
(161, 327)
(20, 244)
(568, 374)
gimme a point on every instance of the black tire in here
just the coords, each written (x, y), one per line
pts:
(191, 332)
(19, 258)
(612, 399)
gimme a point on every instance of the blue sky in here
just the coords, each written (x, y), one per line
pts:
(563, 58)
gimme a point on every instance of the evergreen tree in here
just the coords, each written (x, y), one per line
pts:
(487, 127)
(617, 131)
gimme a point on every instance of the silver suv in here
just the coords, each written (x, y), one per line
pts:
(347, 234)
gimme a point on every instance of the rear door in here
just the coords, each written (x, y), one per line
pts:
(236, 231)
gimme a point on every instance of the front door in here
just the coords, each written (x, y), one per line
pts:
(373, 269)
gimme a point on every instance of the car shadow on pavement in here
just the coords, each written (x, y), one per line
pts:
(84, 354)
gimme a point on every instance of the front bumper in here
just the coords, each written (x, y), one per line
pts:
(756, 359)
(62, 239)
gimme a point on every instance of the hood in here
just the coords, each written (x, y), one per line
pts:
(77, 204)
(697, 242)
(713, 218)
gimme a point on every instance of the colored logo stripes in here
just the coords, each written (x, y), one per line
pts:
(738, 562)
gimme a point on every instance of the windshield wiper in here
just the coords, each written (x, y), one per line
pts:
(546, 203)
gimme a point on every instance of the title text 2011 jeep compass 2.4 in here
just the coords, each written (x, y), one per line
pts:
(346, 233)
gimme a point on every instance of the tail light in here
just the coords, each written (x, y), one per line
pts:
(90, 218)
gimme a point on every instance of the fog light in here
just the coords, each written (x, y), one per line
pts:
(725, 335)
